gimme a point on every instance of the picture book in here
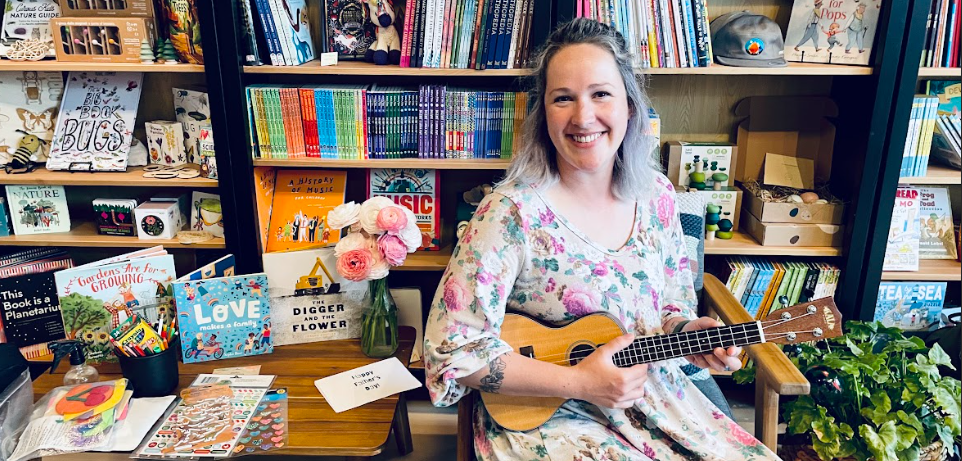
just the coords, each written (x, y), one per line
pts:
(950, 96)
(294, 24)
(205, 213)
(4, 218)
(264, 179)
(95, 298)
(184, 29)
(937, 236)
(223, 267)
(192, 110)
(224, 317)
(115, 216)
(902, 246)
(350, 31)
(310, 301)
(415, 189)
(38, 209)
(910, 305)
(28, 20)
(29, 104)
(832, 31)
(31, 312)
(96, 121)
(302, 199)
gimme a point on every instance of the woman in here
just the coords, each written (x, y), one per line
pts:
(583, 223)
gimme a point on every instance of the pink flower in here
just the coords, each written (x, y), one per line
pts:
(393, 249)
(741, 436)
(455, 295)
(600, 270)
(666, 208)
(580, 300)
(355, 265)
(369, 212)
(392, 219)
(546, 216)
(350, 242)
(550, 286)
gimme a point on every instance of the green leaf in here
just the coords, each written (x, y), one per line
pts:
(911, 453)
(551, 264)
(855, 348)
(882, 443)
(878, 413)
(938, 356)
(906, 437)
(946, 401)
(800, 414)
(911, 420)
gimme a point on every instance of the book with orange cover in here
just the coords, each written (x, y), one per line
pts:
(298, 215)
(264, 179)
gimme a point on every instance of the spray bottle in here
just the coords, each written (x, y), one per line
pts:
(79, 372)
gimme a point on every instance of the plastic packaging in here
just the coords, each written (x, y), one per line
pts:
(16, 402)
(79, 371)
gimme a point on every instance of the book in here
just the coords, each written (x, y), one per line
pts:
(206, 214)
(184, 29)
(4, 218)
(350, 31)
(264, 182)
(302, 199)
(833, 32)
(96, 121)
(31, 312)
(28, 19)
(192, 110)
(937, 230)
(35, 99)
(902, 245)
(950, 96)
(416, 190)
(910, 305)
(38, 209)
(115, 216)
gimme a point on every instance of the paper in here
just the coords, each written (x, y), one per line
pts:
(255, 381)
(366, 384)
(141, 416)
(329, 59)
(785, 170)
(239, 371)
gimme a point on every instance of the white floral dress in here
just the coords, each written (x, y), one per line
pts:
(520, 255)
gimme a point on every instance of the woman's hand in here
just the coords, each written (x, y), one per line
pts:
(599, 381)
(720, 359)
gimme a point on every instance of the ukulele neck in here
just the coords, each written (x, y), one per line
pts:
(663, 347)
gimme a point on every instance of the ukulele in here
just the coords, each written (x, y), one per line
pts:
(569, 344)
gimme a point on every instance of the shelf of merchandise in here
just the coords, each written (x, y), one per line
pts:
(134, 176)
(440, 164)
(368, 69)
(934, 176)
(427, 260)
(744, 244)
(934, 270)
(84, 234)
(53, 65)
(940, 73)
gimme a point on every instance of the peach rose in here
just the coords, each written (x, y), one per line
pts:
(355, 265)
(393, 249)
(392, 219)
(343, 215)
(369, 211)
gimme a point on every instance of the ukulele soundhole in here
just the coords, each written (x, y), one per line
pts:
(579, 352)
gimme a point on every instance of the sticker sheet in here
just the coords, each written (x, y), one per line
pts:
(267, 428)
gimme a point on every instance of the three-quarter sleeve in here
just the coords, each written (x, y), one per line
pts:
(678, 298)
(464, 324)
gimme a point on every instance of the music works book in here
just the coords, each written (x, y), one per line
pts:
(416, 190)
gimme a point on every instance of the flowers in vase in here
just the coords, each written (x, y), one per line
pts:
(379, 236)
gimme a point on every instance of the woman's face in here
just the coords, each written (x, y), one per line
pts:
(586, 108)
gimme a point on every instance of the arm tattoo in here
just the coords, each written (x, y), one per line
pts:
(492, 382)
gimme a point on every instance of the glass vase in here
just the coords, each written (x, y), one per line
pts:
(379, 322)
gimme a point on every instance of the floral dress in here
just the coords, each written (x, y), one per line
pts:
(518, 254)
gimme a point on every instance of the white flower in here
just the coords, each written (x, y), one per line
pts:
(369, 210)
(411, 234)
(380, 269)
(343, 216)
(351, 242)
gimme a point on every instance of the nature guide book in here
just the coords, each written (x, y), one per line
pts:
(416, 190)
(937, 236)
(902, 244)
(28, 19)
(832, 31)
(302, 199)
(29, 104)
(910, 305)
(31, 312)
(96, 121)
(310, 301)
(95, 298)
(38, 209)
(224, 317)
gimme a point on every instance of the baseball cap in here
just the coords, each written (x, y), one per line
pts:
(745, 39)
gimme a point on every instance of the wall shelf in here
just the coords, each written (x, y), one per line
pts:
(440, 164)
(427, 260)
(935, 175)
(53, 65)
(84, 234)
(940, 73)
(934, 270)
(134, 176)
(744, 244)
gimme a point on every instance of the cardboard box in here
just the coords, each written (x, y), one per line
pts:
(118, 39)
(158, 220)
(681, 153)
(730, 199)
(798, 235)
(797, 213)
(84, 9)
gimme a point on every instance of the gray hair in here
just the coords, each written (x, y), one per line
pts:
(535, 163)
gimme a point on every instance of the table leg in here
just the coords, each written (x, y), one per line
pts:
(357, 458)
(402, 427)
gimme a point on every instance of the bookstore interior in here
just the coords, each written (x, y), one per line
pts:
(225, 226)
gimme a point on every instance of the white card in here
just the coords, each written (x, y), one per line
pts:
(255, 381)
(329, 59)
(366, 384)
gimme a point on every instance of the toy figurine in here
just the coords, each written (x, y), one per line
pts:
(712, 217)
(387, 48)
(725, 228)
(21, 161)
(696, 179)
(720, 179)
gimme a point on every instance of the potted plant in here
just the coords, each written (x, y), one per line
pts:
(876, 395)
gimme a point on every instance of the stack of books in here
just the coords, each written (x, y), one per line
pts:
(941, 46)
(760, 283)
(918, 142)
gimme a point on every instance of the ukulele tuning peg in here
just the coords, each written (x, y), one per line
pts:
(783, 300)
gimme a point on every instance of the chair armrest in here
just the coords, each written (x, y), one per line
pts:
(774, 368)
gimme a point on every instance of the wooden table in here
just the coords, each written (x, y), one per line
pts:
(315, 430)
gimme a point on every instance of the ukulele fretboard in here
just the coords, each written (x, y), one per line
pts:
(663, 347)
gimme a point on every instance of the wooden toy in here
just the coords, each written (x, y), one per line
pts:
(101, 39)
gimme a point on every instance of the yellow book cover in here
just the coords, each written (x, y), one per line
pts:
(264, 177)
(766, 305)
(302, 199)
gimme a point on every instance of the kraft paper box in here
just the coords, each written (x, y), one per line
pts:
(136, 8)
(798, 235)
(680, 153)
(118, 39)
(797, 213)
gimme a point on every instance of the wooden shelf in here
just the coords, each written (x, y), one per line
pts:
(935, 175)
(134, 176)
(938, 73)
(744, 244)
(427, 260)
(364, 68)
(53, 65)
(84, 234)
(440, 164)
(930, 270)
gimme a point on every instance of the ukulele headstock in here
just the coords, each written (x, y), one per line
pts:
(803, 322)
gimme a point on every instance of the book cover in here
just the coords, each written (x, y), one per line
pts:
(222, 318)
(4, 218)
(302, 199)
(264, 180)
(96, 121)
(416, 190)
(25, 20)
(184, 29)
(294, 17)
(909, 305)
(115, 216)
(38, 209)
(832, 31)
(31, 312)
(206, 214)
(310, 301)
(902, 245)
(223, 267)
(950, 96)
(192, 110)
(35, 99)
(350, 31)
(937, 230)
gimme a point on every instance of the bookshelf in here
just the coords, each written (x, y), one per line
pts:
(936, 175)
(427, 260)
(440, 164)
(84, 234)
(744, 244)
(53, 65)
(133, 177)
(934, 270)
(940, 73)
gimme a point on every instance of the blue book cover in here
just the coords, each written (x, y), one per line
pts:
(222, 318)
(910, 305)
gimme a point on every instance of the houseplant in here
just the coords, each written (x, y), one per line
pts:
(876, 394)
(379, 236)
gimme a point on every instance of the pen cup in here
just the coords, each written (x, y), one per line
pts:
(152, 376)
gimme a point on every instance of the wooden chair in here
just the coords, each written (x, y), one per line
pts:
(776, 375)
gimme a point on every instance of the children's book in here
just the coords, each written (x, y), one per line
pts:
(38, 209)
(416, 190)
(28, 20)
(224, 317)
(96, 121)
(937, 236)
(115, 216)
(265, 178)
(223, 267)
(350, 31)
(31, 312)
(205, 214)
(910, 305)
(902, 246)
(293, 24)
(192, 110)
(302, 199)
(29, 103)
(95, 298)
(832, 31)
(4, 218)
(950, 96)
(184, 29)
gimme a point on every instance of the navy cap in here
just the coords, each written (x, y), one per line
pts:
(745, 39)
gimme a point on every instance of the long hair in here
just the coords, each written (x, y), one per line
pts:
(536, 163)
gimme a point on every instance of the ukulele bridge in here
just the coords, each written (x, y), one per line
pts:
(527, 351)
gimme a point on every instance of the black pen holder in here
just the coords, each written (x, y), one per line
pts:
(152, 376)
